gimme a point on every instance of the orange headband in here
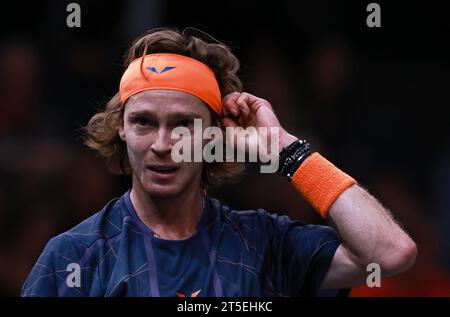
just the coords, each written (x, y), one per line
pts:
(174, 72)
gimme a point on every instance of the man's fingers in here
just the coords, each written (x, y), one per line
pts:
(230, 99)
(229, 110)
(228, 122)
(241, 106)
(229, 104)
(243, 102)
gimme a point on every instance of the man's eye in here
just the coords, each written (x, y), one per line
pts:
(141, 122)
(186, 123)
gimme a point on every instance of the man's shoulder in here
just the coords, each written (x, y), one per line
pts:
(106, 224)
(268, 221)
(255, 217)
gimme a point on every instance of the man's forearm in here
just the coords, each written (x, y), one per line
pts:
(367, 229)
(370, 233)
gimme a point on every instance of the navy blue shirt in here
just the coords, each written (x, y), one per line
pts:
(232, 253)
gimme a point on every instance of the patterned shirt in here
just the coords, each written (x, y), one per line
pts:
(232, 253)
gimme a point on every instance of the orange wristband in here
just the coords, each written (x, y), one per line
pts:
(320, 182)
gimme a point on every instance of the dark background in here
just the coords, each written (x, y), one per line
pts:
(372, 100)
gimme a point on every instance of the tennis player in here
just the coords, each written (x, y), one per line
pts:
(166, 237)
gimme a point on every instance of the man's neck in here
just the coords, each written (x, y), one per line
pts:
(173, 218)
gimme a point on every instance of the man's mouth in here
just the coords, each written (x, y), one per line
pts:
(163, 169)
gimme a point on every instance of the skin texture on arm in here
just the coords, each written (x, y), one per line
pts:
(368, 231)
(370, 235)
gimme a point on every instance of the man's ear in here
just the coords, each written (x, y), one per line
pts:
(122, 132)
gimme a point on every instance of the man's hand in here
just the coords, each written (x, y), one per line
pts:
(368, 231)
(245, 110)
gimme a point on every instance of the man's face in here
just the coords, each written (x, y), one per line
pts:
(149, 118)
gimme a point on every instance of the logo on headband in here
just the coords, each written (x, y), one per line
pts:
(165, 69)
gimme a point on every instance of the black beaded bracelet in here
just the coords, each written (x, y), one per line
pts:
(292, 156)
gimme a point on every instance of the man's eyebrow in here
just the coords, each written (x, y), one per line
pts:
(142, 112)
(173, 114)
(185, 115)
(176, 115)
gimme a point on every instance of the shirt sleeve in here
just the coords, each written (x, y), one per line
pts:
(301, 255)
(59, 271)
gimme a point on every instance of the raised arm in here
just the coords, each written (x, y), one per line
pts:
(368, 231)
(369, 235)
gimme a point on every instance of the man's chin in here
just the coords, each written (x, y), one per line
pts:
(162, 191)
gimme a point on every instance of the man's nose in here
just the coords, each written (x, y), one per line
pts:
(163, 143)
